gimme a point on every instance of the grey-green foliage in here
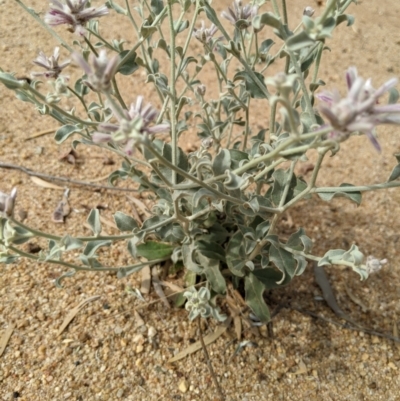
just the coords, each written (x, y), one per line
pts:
(216, 209)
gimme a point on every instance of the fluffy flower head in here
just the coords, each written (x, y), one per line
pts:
(73, 13)
(240, 13)
(50, 64)
(360, 110)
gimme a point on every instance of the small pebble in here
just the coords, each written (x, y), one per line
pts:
(183, 386)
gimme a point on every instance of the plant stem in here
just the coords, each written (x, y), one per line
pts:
(208, 361)
(48, 29)
(172, 88)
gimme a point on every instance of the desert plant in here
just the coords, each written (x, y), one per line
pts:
(216, 209)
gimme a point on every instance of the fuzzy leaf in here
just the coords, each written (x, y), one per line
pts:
(395, 173)
(154, 250)
(354, 196)
(129, 66)
(222, 162)
(157, 6)
(213, 273)
(254, 289)
(250, 85)
(299, 41)
(283, 260)
(64, 133)
(92, 246)
(94, 221)
(271, 278)
(124, 222)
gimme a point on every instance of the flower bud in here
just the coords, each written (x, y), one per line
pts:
(7, 203)
(309, 11)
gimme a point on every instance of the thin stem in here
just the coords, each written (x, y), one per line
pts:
(208, 361)
(306, 95)
(284, 12)
(129, 269)
(29, 88)
(64, 179)
(192, 178)
(172, 88)
(283, 197)
(276, 8)
(41, 22)
(110, 46)
(94, 51)
(117, 94)
(80, 98)
(361, 188)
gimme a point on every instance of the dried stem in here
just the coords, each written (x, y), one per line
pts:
(208, 361)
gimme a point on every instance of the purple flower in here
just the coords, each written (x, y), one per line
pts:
(50, 64)
(240, 13)
(7, 203)
(138, 120)
(359, 111)
(73, 13)
(101, 71)
(204, 34)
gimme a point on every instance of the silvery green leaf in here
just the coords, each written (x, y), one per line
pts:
(266, 19)
(271, 278)
(251, 85)
(90, 261)
(124, 222)
(94, 221)
(201, 194)
(233, 181)
(331, 255)
(211, 268)
(92, 246)
(299, 41)
(147, 30)
(180, 26)
(327, 29)
(353, 255)
(266, 45)
(283, 260)
(10, 81)
(71, 243)
(301, 264)
(23, 96)
(7, 259)
(157, 6)
(222, 162)
(154, 250)
(235, 255)
(254, 289)
(211, 250)
(354, 196)
(299, 241)
(395, 174)
(129, 66)
(64, 133)
(345, 18)
(80, 88)
(262, 229)
(62, 277)
(280, 180)
(188, 253)
(132, 247)
(127, 271)
(162, 44)
(393, 96)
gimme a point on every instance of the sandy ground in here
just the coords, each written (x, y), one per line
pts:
(107, 353)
